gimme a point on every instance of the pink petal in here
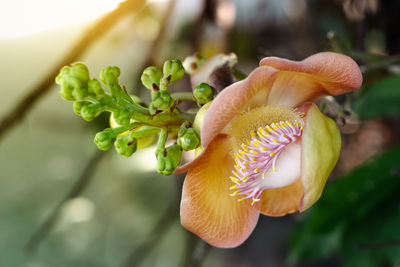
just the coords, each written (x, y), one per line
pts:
(207, 210)
(321, 74)
(253, 91)
(281, 201)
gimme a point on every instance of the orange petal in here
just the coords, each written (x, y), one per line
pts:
(321, 74)
(253, 91)
(321, 142)
(207, 209)
(281, 201)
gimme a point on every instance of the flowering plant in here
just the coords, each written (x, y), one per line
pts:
(261, 146)
(265, 148)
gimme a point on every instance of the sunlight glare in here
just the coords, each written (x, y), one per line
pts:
(24, 17)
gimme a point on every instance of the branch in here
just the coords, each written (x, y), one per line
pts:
(102, 26)
(80, 185)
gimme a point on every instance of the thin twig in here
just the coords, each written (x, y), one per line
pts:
(80, 185)
(15, 115)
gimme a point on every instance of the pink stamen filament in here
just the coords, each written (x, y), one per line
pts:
(256, 157)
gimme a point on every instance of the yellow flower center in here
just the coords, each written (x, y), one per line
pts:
(258, 138)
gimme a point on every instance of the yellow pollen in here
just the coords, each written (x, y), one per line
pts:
(264, 149)
(253, 152)
(233, 187)
(272, 154)
(273, 139)
(252, 133)
(254, 201)
(256, 170)
(234, 194)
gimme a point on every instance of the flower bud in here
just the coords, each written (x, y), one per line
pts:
(173, 70)
(91, 111)
(94, 87)
(122, 117)
(203, 93)
(193, 63)
(78, 105)
(104, 139)
(151, 75)
(188, 138)
(109, 75)
(73, 81)
(126, 145)
(162, 100)
(168, 159)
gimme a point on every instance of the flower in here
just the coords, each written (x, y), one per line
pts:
(264, 145)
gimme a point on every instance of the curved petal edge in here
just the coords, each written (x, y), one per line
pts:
(321, 143)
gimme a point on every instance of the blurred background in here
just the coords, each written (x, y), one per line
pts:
(64, 203)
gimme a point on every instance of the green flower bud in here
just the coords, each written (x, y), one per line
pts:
(203, 93)
(91, 111)
(104, 139)
(122, 117)
(94, 87)
(126, 145)
(173, 70)
(78, 105)
(168, 159)
(190, 140)
(109, 75)
(73, 81)
(151, 75)
(162, 100)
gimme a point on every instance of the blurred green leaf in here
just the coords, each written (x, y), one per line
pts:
(382, 99)
(357, 217)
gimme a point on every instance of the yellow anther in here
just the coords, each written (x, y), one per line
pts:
(234, 194)
(256, 170)
(253, 152)
(252, 133)
(263, 175)
(233, 187)
(284, 135)
(254, 201)
(235, 180)
(253, 159)
(235, 173)
(273, 139)
(264, 149)
(272, 154)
